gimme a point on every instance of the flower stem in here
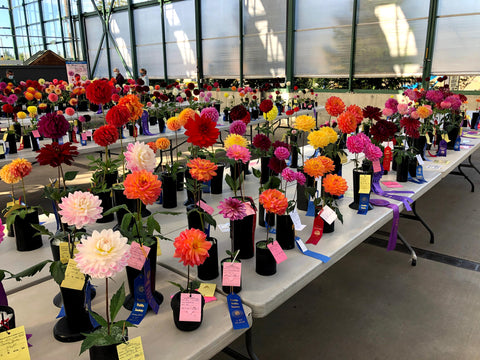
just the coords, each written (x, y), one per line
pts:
(106, 306)
(24, 196)
(121, 152)
(188, 278)
(63, 178)
(176, 142)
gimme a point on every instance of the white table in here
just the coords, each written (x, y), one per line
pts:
(161, 339)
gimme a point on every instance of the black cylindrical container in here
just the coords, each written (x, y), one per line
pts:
(184, 325)
(209, 269)
(356, 187)
(302, 199)
(25, 237)
(269, 217)
(266, 172)
(12, 143)
(216, 186)
(402, 170)
(242, 233)
(169, 191)
(265, 263)
(34, 141)
(26, 142)
(193, 218)
(285, 232)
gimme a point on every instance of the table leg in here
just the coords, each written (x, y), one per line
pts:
(248, 344)
(417, 217)
(471, 164)
(407, 245)
(460, 172)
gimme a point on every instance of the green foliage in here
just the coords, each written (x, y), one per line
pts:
(117, 301)
(234, 184)
(57, 270)
(21, 212)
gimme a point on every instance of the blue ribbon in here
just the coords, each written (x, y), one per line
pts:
(148, 287)
(140, 306)
(321, 257)
(237, 314)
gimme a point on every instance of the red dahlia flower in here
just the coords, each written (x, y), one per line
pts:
(266, 106)
(105, 135)
(99, 92)
(55, 154)
(117, 116)
(201, 131)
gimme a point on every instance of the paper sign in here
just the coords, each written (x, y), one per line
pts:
(13, 344)
(296, 221)
(207, 290)
(405, 143)
(132, 350)
(249, 209)
(2, 149)
(64, 252)
(5, 136)
(203, 205)
(420, 160)
(84, 136)
(74, 279)
(277, 252)
(328, 215)
(376, 166)
(232, 273)
(159, 251)
(392, 184)
(138, 255)
(190, 307)
(224, 227)
(302, 246)
(364, 184)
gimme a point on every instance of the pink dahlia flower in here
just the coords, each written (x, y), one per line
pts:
(356, 143)
(238, 127)
(103, 254)
(139, 156)
(301, 179)
(80, 209)
(372, 152)
(210, 113)
(402, 109)
(289, 175)
(282, 153)
(238, 152)
(232, 209)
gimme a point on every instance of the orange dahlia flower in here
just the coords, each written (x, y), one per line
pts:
(7, 175)
(191, 247)
(357, 111)
(274, 201)
(334, 106)
(202, 169)
(185, 115)
(133, 105)
(327, 163)
(142, 185)
(318, 166)
(334, 185)
(21, 167)
(347, 123)
(162, 143)
(152, 145)
(173, 124)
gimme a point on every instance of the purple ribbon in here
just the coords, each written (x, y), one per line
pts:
(392, 241)
(3, 296)
(377, 189)
(145, 125)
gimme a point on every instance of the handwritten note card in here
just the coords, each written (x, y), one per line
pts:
(207, 290)
(132, 350)
(232, 273)
(74, 279)
(190, 307)
(328, 214)
(13, 344)
(277, 252)
(364, 184)
(138, 255)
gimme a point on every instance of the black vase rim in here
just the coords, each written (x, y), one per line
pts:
(227, 260)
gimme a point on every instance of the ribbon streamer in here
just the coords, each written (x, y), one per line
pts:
(377, 189)
(392, 242)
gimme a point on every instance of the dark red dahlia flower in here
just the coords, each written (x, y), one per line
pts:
(55, 154)
(53, 126)
(383, 130)
(372, 113)
(411, 126)
(262, 142)
(266, 106)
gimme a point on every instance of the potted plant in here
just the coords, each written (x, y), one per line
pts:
(191, 248)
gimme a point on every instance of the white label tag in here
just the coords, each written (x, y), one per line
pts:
(420, 160)
(328, 215)
(300, 243)
(405, 144)
(296, 221)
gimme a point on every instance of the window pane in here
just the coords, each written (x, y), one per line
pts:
(373, 10)
(149, 43)
(219, 18)
(119, 28)
(456, 51)
(18, 17)
(457, 7)
(180, 21)
(311, 14)
(50, 9)
(93, 40)
(87, 6)
(221, 57)
(181, 59)
(261, 16)
(32, 13)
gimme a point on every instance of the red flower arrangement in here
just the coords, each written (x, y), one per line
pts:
(266, 106)
(334, 106)
(7, 108)
(53, 126)
(372, 113)
(276, 165)
(99, 92)
(117, 116)
(56, 154)
(411, 126)
(262, 142)
(201, 131)
(383, 130)
(105, 135)
(347, 123)
(239, 112)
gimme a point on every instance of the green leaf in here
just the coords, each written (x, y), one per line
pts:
(210, 220)
(115, 209)
(90, 340)
(257, 173)
(31, 270)
(152, 225)
(127, 219)
(57, 270)
(70, 175)
(117, 301)
(177, 285)
(101, 321)
(230, 182)
(42, 230)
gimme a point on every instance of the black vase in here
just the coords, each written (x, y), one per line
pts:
(226, 116)
(216, 185)
(285, 232)
(105, 352)
(169, 191)
(152, 120)
(265, 263)
(229, 289)
(111, 178)
(266, 172)
(356, 187)
(161, 125)
(133, 273)
(8, 322)
(236, 170)
(184, 325)
(402, 170)
(452, 135)
(293, 143)
(190, 196)
(269, 218)
(327, 228)
(25, 237)
(209, 269)
(419, 146)
(12, 143)
(34, 142)
(76, 320)
(180, 180)
(18, 130)
(254, 114)
(106, 198)
(26, 142)
(394, 162)
(302, 199)
(120, 199)
(412, 167)
(242, 233)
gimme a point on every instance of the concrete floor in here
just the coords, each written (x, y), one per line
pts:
(374, 305)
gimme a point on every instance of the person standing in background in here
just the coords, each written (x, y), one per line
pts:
(9, 78)
(144, 77)
(119, 78)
